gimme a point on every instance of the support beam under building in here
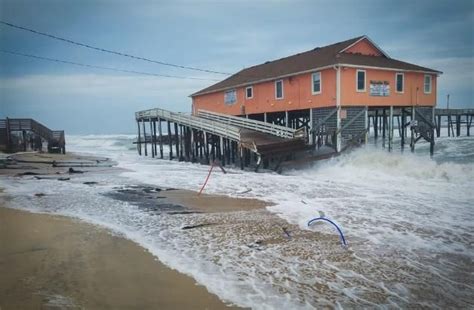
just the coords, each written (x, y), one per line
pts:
(390, 133)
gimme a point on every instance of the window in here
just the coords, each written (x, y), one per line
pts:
(230, 96)
(360, 80)
(249, 92)
(427, 84)
(279, 89)
(316, 83)
(399, 80)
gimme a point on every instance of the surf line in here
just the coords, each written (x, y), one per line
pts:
(322, 218)
(214, 163)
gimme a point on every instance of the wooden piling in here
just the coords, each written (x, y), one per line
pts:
(201, 140)
(233, 150)
(151, 140)
(182, 142)
(458, 125)
(206, 147)
(468, 124)
(161, 138)
(390, 134)
(412, 142)
(402, 137)
(449, 125)
(144, 137)
(139, 142)
(154, 138)
(221, 151)
(438, 126)
(376, 121)
(384, 125)
(399, 127)
(242, 157)
(176, 139)
(170, 142)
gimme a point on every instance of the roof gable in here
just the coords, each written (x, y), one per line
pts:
(364, 46)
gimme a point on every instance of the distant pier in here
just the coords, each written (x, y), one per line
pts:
(22, 134)
(454, 118)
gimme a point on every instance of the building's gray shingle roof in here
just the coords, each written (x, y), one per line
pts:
(315, 58)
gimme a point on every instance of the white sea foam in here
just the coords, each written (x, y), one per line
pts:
(408, 221)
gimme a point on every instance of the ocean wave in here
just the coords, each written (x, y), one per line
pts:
(407, 219)
(371, 163)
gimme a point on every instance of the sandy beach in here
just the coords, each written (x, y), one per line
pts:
(54, 262)
(97, 232)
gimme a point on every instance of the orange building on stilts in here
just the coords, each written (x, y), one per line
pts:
(332, 91)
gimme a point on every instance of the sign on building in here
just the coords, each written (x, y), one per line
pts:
(379, 88)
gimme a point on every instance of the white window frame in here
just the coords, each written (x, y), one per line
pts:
(320, 83)
(235, 97)
(246, 93)
(403, 82)
(357, 81)
(424, 83)
(282, 90)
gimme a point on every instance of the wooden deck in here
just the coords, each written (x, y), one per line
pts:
(265, 143)
(55, 138)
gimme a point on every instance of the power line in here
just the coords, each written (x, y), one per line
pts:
(104, 68)
(109, 51)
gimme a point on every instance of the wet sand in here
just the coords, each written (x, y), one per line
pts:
(52, 164)
(51, 262)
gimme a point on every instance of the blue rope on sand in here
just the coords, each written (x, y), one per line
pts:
(343, 240)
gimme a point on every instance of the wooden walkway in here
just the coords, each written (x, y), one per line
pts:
(36, 131)
(211, 136)
(254, 125)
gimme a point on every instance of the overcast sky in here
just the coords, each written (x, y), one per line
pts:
(218, 35)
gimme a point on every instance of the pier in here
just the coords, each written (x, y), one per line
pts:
(264, 140)
(422, 123)
(210, 136)
(454, 117)
(21, 134)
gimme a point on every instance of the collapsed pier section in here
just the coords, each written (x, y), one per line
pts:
(211, 136)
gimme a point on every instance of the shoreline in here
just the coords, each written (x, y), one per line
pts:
(50, 260)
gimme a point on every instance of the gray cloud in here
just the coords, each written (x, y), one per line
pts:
(220, 35)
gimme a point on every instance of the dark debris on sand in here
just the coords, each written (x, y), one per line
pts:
(147, 198)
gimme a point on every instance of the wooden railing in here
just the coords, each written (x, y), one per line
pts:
(55, 138)
(19, 124)
(260, 126)
(210, 126)
(445, 112)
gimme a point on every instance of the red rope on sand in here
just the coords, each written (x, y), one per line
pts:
(207, 179)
